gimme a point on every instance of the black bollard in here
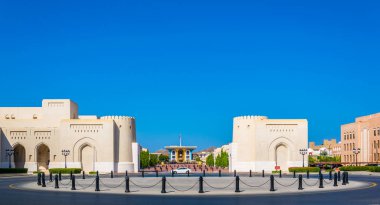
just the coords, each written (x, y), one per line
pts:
(73, 183)
(201, 185)
(43, 179)
(188, 173)
(111, 174)
(97, 173)
(83, 175)
(56, 181)
(271, 183)
(300, 182)
(126, 172)
(335, 179)
(234, 173)
(320, 172)
(330, 175)
(156, 173)
(127, 184)
(39, 178)
(142, 174)
(344, 178)
(71, 174)
(250, 173)
(307, 174)
(347, 178)
(321, 181)
(294, 174)
(204, 173)
(60, 176)
(97, 183)
(280, 173)
(237, 187)
(163, 190)
(220, 173)
(50, 177)
(263, 175)
(339, 176)
(172, 173)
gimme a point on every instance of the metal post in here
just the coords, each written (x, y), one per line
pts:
(39, 179)
(50, 177)
(43, 180)
(163, 190)
(220, 173)
(339, 176)
(294, 174)
(111, 174)
(344, 178)
(60, 176)
(97, 183)
(330, 175)
(335, 179)
(204, 173)
(280, 173)
(234, 173)
(300, 182)
(250, 173)
(156, 173)
(127, 184)
(73, 183)
(307, 174)
(237, 188)
(263, 175)
(271, 183)
(172, 173)
(126, 172)
(321, 181)
(71, 174)
(83, 175)
(142, 173)
(56, 181)
(347, 178)
(201, 185)
(188, 173)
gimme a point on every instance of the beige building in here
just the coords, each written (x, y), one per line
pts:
(330, 146)
(39, 134)
(364, 133)
(260, 143)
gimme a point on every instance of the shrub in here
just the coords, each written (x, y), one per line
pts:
(374, 169)
(304, 169)
(13, 170)
(92, 172)
(65, 170)
(355, 168)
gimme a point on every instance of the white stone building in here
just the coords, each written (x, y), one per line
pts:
(260, 143)
(39, 134)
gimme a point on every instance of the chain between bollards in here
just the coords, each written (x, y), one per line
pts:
(201, 185)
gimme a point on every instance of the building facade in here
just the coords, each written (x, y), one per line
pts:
(331, 147)
(260, 143)
(39, 134)
(180, 154)
(364, 134)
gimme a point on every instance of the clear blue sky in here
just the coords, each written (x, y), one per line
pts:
(190, 66)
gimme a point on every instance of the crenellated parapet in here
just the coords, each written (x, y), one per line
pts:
(116, 117)
(251, 117)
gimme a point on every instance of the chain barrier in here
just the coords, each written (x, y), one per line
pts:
(327, 181)
(145, 187)
(180, 189)
(111, 187)
(83, 186)
(310, 184)
(218, 187)
(286, 185)
(64, 184)
(254, 186)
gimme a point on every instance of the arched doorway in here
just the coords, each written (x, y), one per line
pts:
(43, 157)
(87, 158)
(19, 156)
(282, 156)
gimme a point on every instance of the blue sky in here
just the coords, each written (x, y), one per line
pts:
(190, 66)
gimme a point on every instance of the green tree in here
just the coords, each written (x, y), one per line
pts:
(210, 160)
(163, 158)
(153, 159)
(144, 159)
(222, 159)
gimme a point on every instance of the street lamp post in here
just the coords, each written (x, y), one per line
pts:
(303, 152)
(65, 153)
(356, 151)
(10, 152)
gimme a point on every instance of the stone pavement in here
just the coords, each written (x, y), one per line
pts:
(190, 185)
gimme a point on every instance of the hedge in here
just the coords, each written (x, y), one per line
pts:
(360, 168)
(13, 170)
(304, 169)
(65, 170)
